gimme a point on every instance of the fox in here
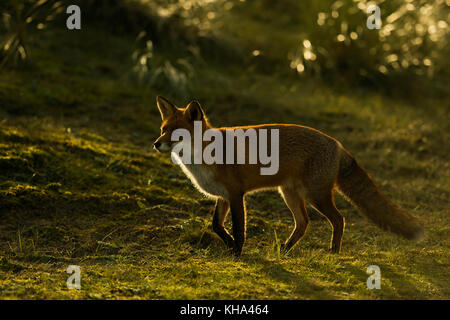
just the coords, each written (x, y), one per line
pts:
(312, 166)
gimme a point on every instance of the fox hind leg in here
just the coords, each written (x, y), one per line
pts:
(325, 205)
(296, 204)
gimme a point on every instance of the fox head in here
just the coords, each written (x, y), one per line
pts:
(176, 118)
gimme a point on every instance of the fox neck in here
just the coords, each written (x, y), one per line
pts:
(203, 175)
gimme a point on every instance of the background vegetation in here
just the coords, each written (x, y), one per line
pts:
(79, 183)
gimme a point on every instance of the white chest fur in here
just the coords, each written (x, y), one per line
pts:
(203, 179)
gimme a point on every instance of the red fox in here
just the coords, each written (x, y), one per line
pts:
(311, 166)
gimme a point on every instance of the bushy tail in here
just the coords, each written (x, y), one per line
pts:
(359, 188)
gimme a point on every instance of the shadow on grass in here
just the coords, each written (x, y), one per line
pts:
(302, 285)
(394, 284)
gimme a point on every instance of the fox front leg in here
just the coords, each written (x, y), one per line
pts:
(237, 207)
(220, 213)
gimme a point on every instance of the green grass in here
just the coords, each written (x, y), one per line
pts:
(79, 184)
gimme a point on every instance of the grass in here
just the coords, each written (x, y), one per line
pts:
(79, 184)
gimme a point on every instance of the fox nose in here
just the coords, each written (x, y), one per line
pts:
(157, 144)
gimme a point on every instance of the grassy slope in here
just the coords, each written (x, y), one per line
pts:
(97, 195)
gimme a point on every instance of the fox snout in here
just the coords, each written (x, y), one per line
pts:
(161, 146)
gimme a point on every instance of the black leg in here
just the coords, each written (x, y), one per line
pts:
(238, 217)
(220, 214)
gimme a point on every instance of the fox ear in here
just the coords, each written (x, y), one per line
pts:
(165, 107)
(194, 111)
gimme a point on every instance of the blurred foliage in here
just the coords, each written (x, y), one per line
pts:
(171, 36)
(413, 39)
(159, 72)
(322, 39)
(16, 17)
(328, 40)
